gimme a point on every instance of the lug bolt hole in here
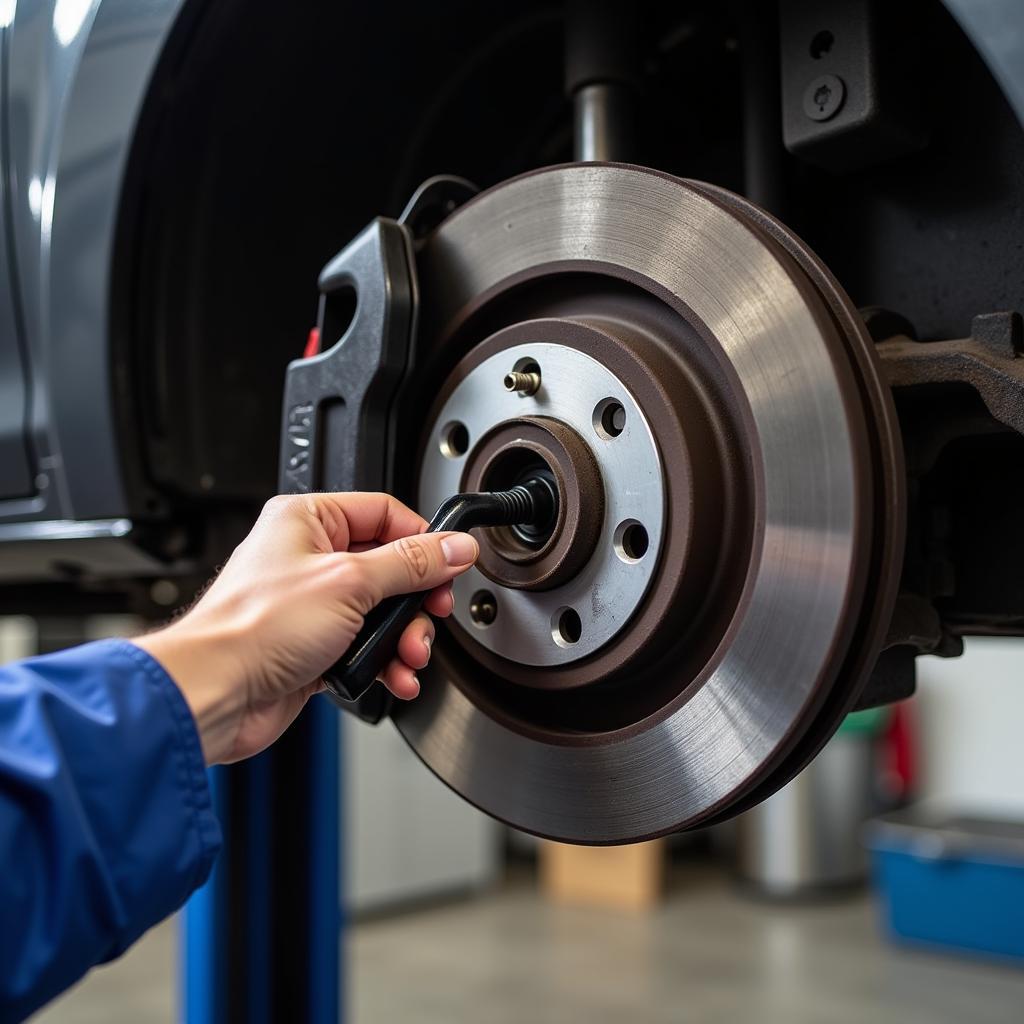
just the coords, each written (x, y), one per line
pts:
(609, 418)
(631, 541)
(454, 440)
(566, 627)
(483, 608)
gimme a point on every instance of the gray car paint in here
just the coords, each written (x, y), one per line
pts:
(77, 75)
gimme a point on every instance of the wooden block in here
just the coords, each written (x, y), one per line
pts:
(622, 877)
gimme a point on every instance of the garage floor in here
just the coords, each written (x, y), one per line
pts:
(707, 956)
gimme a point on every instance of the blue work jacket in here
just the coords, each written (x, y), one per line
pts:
(106, 823)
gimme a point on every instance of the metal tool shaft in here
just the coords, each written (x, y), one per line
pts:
(375, 644)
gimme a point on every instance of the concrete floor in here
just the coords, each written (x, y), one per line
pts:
(140, 987)
(707, 956)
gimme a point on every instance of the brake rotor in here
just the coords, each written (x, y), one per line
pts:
(704, 609)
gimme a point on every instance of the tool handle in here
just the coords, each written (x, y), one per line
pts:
(375, 644)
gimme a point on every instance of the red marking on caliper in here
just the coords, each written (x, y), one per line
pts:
(312, 343)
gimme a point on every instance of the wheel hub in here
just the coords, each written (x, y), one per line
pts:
(579, 575)
(723, 562)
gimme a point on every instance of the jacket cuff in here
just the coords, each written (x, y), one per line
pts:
(195, 786)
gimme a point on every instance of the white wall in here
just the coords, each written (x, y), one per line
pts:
(970, 716)
(17, 637)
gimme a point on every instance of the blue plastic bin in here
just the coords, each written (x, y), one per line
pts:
(953, 882)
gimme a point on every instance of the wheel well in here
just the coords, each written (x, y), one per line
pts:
(266, 141)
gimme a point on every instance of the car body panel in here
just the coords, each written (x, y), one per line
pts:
(76, 78)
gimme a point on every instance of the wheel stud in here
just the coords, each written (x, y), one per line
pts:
(523, 380)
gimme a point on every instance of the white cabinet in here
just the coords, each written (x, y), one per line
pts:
(970, 715)
(405, 835)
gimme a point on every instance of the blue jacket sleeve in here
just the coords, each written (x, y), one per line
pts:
(106, 823)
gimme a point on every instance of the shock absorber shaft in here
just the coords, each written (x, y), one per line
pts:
(600, 76)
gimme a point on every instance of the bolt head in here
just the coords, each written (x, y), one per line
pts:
(823, 97)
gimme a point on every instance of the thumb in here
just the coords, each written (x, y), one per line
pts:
(420, 562)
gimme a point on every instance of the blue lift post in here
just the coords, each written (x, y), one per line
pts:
(261, 941)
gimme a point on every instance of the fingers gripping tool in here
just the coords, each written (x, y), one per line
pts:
(531, 503)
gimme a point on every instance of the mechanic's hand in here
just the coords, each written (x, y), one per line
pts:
(289, 602)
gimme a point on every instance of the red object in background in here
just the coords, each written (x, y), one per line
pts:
(312, 343)
(899, 754)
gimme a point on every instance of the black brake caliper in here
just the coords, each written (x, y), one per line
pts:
(337, 432)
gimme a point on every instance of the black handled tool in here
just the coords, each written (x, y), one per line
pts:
(533, 502)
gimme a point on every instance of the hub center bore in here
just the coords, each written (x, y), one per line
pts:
(546, 555)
